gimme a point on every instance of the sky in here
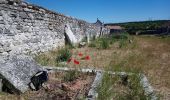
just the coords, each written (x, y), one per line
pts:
(109, 11)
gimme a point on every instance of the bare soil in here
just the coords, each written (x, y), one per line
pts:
(57, 88)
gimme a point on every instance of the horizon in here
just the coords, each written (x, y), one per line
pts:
(107, 11)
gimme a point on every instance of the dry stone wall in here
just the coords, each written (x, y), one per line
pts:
(27, 28)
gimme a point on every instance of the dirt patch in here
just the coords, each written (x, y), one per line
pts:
(58, 89)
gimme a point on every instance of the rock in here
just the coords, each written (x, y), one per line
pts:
(3, 1)
(65, 87)
(130, 41)
(124, 79)
(70, 37)
(17, 72)
(82, 44)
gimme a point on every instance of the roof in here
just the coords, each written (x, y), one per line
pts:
(115, 27)
(98, 23)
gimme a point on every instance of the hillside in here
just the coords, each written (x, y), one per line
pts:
(150, 27)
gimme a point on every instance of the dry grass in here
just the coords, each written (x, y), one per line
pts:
(149, 54)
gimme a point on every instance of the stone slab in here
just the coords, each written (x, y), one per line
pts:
(17, 72)
(71, 37)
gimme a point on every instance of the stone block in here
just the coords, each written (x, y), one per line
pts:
(17, 72)
(70, 37)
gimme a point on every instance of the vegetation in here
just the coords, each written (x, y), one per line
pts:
(112, 87)
(145, 54)
(104, 90)
(71, 75)
(133, 27)
(105, 42)
(63, 55)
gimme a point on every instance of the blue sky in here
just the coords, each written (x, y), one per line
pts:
(109, 10)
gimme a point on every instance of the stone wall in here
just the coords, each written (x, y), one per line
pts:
(27, 28)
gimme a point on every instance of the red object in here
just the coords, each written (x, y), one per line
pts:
(76, 62)
(80, 54)
(87, 57)
(69, 60)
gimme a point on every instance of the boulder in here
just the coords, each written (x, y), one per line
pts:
(17, 72)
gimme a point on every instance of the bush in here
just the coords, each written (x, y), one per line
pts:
(71, 75)
(63, 55)
(92, 44)
(104, 43)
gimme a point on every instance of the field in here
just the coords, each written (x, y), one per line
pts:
(147, 54)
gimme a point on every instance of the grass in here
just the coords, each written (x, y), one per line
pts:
(104, 89)
(71, 75)
(147, 54)
(63, 55)
(105, 42)
(54, 57)
(112, 87)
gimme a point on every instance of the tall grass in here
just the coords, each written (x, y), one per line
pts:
(71, 75)
(103, 43)
(104, 89)
(63, 55)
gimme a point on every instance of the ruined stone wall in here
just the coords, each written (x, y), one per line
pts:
(26, 28)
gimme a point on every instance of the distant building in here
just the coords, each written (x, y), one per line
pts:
(98, 23)
(115, 29)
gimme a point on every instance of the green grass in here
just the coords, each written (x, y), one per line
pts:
(105, 42)
(104, 89)
(111, 87)
(63, 55)
(71, 75)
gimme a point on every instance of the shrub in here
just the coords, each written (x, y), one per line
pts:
(92, 44)
(71, 75)
(63, 55)
(104, 43)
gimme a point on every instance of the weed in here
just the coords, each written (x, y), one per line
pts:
(103, 43)
(43, 59)
(84, 39)
(92, 44)
(104, 89)
(63, 55)
(71, 75)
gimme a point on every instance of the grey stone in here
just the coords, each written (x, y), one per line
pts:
(28, 28)
(7, 31)
(17, 72)
(23, 15)
(70, 36)
(82, 44)
(1, 50)
(0, 84)
(92, 95)
(3, 1)
(2, 22)
(19, 27)
(1, 30)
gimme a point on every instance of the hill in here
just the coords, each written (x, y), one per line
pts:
(157, 26)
